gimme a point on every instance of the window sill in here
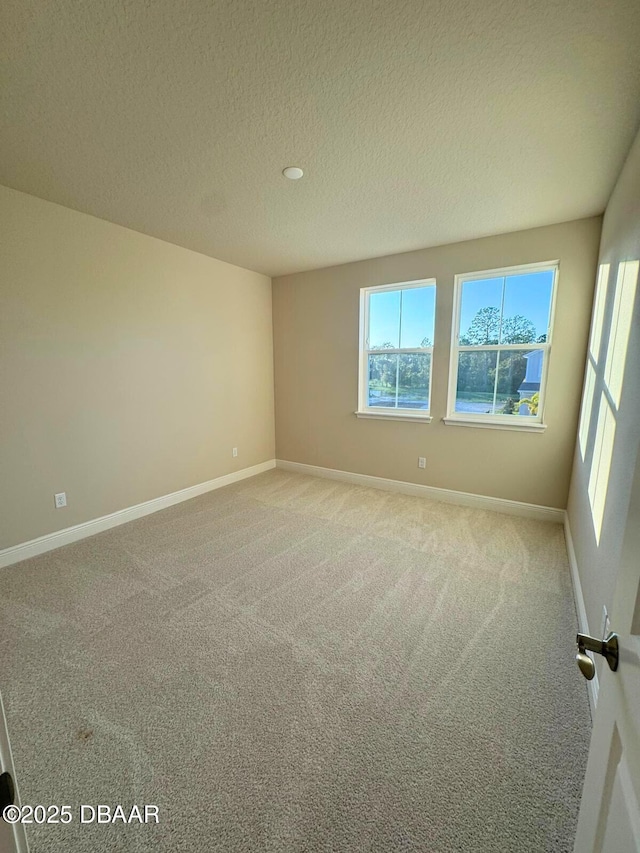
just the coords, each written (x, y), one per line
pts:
(515, 427)
(395, 416)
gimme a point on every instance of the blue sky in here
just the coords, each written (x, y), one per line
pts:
(418, 312)
(528, 294)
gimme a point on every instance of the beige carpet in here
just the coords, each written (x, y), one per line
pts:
(296, 664)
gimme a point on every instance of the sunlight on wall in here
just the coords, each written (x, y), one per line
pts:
(592, 361)
(598, 310)
(587, 405)
(608, 373)
(601, 463)
(620, 328)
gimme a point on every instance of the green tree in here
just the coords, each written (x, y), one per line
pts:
(518, 330)
(484, 328)
(411, 369)
(477, 370)
(532, 404)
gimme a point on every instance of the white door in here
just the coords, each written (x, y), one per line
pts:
(610, 810)
(12, 837)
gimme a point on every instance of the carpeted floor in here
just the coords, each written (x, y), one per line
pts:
(297, 664)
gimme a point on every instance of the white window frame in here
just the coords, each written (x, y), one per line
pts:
(378, 412)
(510, 422)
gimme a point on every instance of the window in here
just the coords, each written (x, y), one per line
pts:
(396, 346)
(500, 346)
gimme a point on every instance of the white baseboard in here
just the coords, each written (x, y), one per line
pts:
(525, 510)
(16, 553)
(581, 610)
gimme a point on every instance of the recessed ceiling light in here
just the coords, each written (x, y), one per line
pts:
(293, 173)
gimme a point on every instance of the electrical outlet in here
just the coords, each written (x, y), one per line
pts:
(234, 452)
(422, 462)
(60, 499)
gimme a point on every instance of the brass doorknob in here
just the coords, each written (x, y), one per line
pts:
(608, 648)
(587, 665)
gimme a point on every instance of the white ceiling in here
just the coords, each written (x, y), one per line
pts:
(417, 122)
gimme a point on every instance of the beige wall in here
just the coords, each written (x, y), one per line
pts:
(316, 367)
(598, 556)
(130, 367)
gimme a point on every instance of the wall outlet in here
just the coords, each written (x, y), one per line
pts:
(60, 499)
(234, 452)
(422, 462)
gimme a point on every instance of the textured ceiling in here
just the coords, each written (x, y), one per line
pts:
(417, 122)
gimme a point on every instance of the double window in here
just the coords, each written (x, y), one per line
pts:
(500, 346)
(396, 347)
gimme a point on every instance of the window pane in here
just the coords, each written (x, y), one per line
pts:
(418, 312)
(527, 305)
(413, 384)
(382, 380)
(476, 381)
(413, 372)
(384, 319)
(519, 378)
(518, 388)
(480, 311)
